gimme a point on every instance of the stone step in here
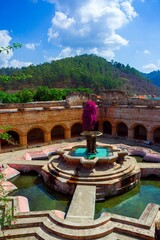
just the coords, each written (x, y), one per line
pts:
(48, 230)
(100, 196)
(70, 170)
(145, 217)
(19, 233)
(103, 177)
(45, 225)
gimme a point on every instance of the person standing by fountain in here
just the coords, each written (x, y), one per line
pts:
(89, 119)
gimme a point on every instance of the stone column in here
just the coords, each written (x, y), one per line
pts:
(130, 133)
(149, 136)
(67, 133)
(100, 127)
(114, 131)
(91, 144)
(47, 137)
(23, 140)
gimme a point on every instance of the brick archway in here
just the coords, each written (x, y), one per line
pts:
(76, 129)
(122, 130)
(140, 132)
(35, 136)
(107, 128)
(14, 140)
(156, 135)
(57, 132)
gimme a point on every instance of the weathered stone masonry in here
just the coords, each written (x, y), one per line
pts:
(46, 121)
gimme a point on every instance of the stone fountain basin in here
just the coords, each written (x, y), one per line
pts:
(117, 154)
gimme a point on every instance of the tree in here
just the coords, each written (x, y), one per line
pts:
(3, 129)
(10, 47)
(89, 116)
(89, 119)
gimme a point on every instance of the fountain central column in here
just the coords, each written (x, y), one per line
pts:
(91, 144)
(89, 118)
(91, 140)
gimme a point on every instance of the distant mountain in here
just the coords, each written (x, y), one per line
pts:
(88, 71)
(154, 77)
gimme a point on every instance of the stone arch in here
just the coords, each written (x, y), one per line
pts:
(122, 129)
(15, 140)
(35, 136)
(156, 135)
(140, 132)
(107, 128)
(96, 128)
(76, 129)
(57, 132)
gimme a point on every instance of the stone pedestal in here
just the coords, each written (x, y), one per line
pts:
(91, 144)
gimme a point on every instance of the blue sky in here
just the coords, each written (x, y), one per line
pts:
(126, 31)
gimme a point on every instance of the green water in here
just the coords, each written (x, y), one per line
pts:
(82, 152)
(132, 203)
(39, 195)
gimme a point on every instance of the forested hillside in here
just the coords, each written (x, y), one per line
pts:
(154, 77)
(88, 71)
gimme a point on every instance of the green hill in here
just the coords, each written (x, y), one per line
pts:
(88, 71)
(154, 77)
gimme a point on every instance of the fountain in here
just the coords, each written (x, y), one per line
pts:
(107, 167)
(88, 172)
(89, 119)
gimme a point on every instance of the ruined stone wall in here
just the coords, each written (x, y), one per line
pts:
(149, 117)
(46, 118)
(45, 115)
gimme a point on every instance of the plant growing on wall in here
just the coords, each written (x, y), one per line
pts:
(4, 135)
(6, 212)
(3, 129)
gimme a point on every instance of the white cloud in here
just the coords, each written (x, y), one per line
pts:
(150, 67)
(108, 54)
(5, 58)
(5, 39)
(116, 39)
(62, 21)
(146, 52)
(66, 52)
(129, 10)
(18, 64)
(90, 25)
(31, 46)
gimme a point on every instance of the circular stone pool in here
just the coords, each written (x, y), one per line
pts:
(41, 197)
(82, 152)
(132, 203)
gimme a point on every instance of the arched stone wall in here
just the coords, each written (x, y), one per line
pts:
(107, 128)
(122, 129)
(140, 132)
(70, 118)
(76, 129)
(58, 132)
(14, 141)
(156, 135)
(35, 136)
